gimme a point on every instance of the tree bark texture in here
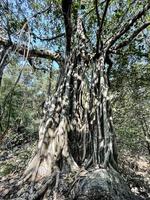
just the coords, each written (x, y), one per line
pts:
(77, 129)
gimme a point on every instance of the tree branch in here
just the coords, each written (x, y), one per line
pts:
(23, 49)
(127, 54)
(135, 33)
(104, 15)
(48, 39)
(127, 26)
(66, 8)
(100, 23)
(41, 12)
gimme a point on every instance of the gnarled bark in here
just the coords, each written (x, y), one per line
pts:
(76, 132)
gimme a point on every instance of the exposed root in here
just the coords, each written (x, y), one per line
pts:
(50, 152)
(43, 189)
(56, 186)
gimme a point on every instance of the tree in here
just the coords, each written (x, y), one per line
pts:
(131, 113)
(21, 96)
(76, 132)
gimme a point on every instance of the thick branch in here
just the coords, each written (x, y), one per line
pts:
(127, 26)
(104, 15)
(135, 33)
(23, 49)
(100, 24)
(66, 8)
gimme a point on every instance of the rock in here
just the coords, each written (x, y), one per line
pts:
(102, 184)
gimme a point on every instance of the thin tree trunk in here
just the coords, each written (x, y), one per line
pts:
(3, 62)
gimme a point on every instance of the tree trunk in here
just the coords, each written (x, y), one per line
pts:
(3, 61)
(77, 126)
(76, 134)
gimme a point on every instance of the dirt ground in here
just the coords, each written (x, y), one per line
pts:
(15, 152)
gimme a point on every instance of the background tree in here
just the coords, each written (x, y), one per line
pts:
(131, 113)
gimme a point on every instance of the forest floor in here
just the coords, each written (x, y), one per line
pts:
(16, 150)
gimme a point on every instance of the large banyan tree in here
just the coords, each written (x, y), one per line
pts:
(76, 135)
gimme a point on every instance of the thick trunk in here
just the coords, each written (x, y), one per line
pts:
(77, 128)
(76, 135)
